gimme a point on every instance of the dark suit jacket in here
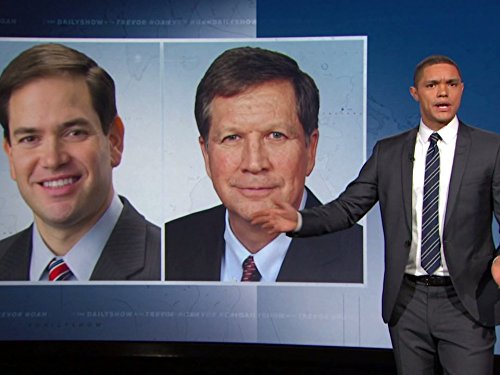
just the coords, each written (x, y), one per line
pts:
(194, 247)
(131, 253)
(474, 195)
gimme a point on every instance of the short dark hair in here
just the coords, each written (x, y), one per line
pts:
(432, 60)
(238, 69)
(47, 60)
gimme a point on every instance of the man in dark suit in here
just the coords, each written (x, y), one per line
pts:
(257, 114)
(63, 138)
(195, 249)
(439, 296)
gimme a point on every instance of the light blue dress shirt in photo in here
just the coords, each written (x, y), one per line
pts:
(268, 259)
(83, 256)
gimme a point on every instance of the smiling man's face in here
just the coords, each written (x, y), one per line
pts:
(439, 92)
(59, 156)
(256, 152)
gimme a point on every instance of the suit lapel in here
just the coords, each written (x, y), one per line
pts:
(407, 156)
(15, 262)
(212, 264)
(298, 258)
(462, 152)
(124, 252)
(220, 246)
(299, 255)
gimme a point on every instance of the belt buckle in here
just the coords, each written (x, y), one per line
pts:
(431, 280)
(434, 280)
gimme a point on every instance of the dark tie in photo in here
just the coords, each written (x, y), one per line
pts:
(431, 243)
(250, 271)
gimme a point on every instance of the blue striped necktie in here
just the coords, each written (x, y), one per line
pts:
(431, 242)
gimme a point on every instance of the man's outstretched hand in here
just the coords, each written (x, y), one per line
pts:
(495, 270)
(283, 218)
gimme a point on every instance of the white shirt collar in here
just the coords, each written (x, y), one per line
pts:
(448, 133)
(268, 260)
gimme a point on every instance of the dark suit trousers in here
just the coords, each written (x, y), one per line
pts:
(432, 333)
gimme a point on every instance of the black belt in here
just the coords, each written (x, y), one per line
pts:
(429, 280)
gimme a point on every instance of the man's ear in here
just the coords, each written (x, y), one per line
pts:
(414, 93)
(8, 151)
(116, 136)
(204, 150)
(311, 151)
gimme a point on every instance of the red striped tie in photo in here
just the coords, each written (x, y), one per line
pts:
(58, 270)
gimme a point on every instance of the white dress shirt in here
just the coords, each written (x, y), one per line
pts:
(446, 148)
(268, 260)
(83, 256)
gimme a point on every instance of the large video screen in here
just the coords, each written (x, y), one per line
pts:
(163, 175)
